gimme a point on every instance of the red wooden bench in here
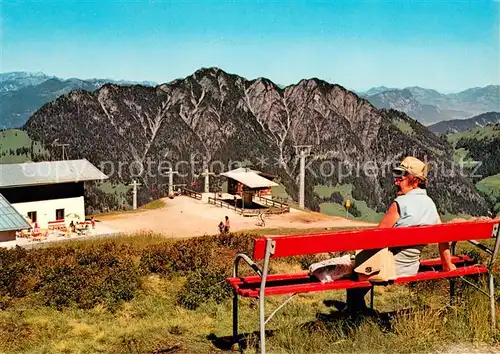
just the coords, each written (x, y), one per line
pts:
(263, 284)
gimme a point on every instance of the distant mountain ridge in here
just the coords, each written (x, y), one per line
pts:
(212, 116)
(22, 93)
(16, 80)
(404, 101)
(430, 106)
(460, 125)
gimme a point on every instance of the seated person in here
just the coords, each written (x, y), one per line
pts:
(412, 207)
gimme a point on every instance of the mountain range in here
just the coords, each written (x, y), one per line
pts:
(215, 118)
(21, 93)
(460, 125)
(429, 106)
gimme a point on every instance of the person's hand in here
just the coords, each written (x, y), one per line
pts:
(449, 267)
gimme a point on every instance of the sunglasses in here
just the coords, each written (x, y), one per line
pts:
(399, 176)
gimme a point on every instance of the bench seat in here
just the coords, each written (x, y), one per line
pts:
(281, 284)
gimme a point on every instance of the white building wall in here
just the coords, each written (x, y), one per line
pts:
(46, 209)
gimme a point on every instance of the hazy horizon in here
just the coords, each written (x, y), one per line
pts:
(277, 83)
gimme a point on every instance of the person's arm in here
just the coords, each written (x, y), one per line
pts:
(445, 255)
(391, 216)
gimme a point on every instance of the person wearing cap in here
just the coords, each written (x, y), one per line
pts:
(412, 207)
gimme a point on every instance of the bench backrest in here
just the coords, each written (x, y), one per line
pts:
(302, 244)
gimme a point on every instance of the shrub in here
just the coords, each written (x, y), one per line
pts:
(336, 197)
(240, 242)
(204, 285)
(87, 285)
(194, 254)
(181, 256)
(353, 210)
(191, 254)
(15, 271)
(155, 259)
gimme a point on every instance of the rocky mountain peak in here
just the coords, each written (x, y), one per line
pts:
(219, 117)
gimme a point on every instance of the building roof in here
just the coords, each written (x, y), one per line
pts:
(249, 178)
(48, 172)
(10, 219)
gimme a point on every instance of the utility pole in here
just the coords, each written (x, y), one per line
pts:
(63, 146)
(171, 181)
(207, 175)
(134, 198)
(63, 150)
(304, 151)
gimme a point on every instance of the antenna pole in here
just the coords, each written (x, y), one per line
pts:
(134, 191)
(304, 151)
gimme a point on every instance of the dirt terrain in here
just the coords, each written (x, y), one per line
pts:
(184, 217)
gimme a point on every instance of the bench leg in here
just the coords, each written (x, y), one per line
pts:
(492, 301)
(262, 310)
(453, 248)
(452, 291)
(235, 318)
(494, 255)
(262, 323)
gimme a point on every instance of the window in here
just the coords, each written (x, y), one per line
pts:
(59, 214)
(32, 215)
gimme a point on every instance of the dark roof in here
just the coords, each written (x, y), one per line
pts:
(48, 172)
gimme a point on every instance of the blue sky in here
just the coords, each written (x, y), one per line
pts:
(446, 45)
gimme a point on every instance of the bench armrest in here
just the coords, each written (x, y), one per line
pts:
(248, 260)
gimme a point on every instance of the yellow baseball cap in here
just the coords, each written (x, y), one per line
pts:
(413, 166)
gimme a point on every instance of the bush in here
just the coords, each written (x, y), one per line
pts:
(191, 254)
(155, 259)
(64, 276)
(240, 242)
(15, 271)
(353, 210)
(106, 273)
(194, 254)
(336, 197)
(87, 285)
(202, 286)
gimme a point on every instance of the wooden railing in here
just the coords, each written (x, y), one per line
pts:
(277, 208)
(244, 212)
(191, 193)
(223, 204)
(273, 203)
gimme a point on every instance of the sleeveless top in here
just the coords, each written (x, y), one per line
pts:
(415, 208)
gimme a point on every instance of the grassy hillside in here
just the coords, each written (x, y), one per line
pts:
(120, 190)
(490, 189)
(478, 133)
(481, 144)
(359, 210)
(333, 205)
(17, 147)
